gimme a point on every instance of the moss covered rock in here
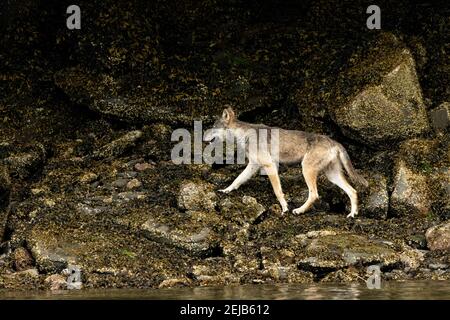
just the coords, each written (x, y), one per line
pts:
(438, 237)
(379, 99)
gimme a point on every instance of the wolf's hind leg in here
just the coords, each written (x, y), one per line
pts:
(310, 175)
(274, 178)
(335, 175)
(245, 175)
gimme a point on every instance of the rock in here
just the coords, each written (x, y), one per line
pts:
(32, 272)
(56, 282)
(346, 275)
(5, 186)
(143, 166)
(103, 93)
(175, 282)
(411, 195)
(341, 250)
(417, 241)
(438, 237)
(379, 98)
(134, 184)
(22, 259)
(118, 146)
(88, 177)
(196, 196)
(119, 183)
(375, 199)
(438, 266)
(194, 236)
(440, 117)
(421, 180)
(247, 211)
(214, 271)
(24, 164)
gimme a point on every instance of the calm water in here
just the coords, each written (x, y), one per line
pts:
(390, 290)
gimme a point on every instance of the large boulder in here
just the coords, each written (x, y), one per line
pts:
(326, 250)
(411, 195)
(421, 181)
(438, 237)
(378, 97)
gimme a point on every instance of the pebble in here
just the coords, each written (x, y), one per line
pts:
(120, 183)
(56, 282)
(143, 166)
(134, 184)
(88, 177)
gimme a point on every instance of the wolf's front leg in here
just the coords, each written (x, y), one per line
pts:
(274, 178)
(245, 175)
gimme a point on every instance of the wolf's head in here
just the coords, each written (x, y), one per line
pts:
(221, 125)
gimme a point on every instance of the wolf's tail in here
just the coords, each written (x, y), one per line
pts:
(345, 160)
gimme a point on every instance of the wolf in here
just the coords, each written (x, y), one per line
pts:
(316, 153)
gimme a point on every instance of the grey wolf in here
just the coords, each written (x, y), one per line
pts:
(316, 153)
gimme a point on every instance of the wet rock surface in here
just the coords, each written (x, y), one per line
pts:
(86, 178)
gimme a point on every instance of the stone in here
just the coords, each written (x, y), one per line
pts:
(411, 195)
(196, 196)
(102, 93)
(175, 282)
(134, 184)
(22, 259)
(56, 282)
(143, 166)
(440, 117)
(119, 146)
(341, 250)
(24, 164)
(196, 237)
(119, 183)
(438, 237)
(380, 99)
(88, 177)
(246, 211)
(375, 199)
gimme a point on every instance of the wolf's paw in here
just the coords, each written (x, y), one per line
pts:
(227, 190)
(352, 214)
(298, 211)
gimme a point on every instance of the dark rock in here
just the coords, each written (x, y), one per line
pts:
(5, 186)
(375, 199)
(440, 117)
(22, 259)
(244, 212)
(119, 183)
(24, 164)
(118, 146)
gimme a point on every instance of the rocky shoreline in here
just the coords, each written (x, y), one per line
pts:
(85, 139)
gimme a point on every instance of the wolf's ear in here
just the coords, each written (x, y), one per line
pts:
(228, 115)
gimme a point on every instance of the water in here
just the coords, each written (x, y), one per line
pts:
(389, 290)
